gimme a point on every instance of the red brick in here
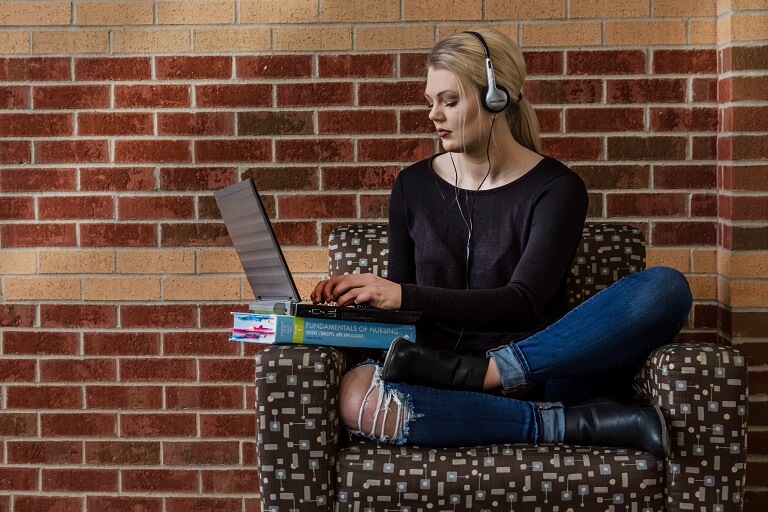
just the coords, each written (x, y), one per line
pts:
(564, 91)
(295, 233)
(314, 150)
(357, 121)
(275, 123)
(195, 235)
(704, 205)
(680, 62)
(159, 480)
(19, 424)
(146, 151)
(158, 425)
(44, 397)
(70, 97)
(605, 62)
(18, 478)
(113, 69)
(114, 123)
(389, 94)
(240, 150)
(122, 453)
(36, 125)
(725, 147)
(76, 207)
(543, 63)
(117, 179)
(78, 315)
(230, 480)
(203, 504)
(217, 315)
(45, 452)
(152, 96)
(83, 370)
(283, 178)
(549, 119)
(274, 66)
(394, 150)
(646, 148)
(201, 123)
(71, 151)
(359, 178)
(644, 90)
(80, 480)
(14, 96)
(198, 343)
(17, 370)
(197, 178)
(704, 89)
(124, 504)
(226, 370)
(23, 503)
(39, 343)
(156, 207)
(41, 235)
(200, 453)
(745, 119)
(572, 148)
(166, 369)
(118, 235)
(233, 95)
(604, 119)
(749, 208)
(17, 208)
(207, 208)
(317, 206)
(123, 397)
(15, 152)
(17, 315)
(413, 64)
(684, 233)
(374, 206)
(417, 121)
(203, 397)
(78, 424)
(356, 66)
(750, 147)
(683, 119)
(313, 94)
(252, 505)
(250, 454)
(37, 69)
(746, 177)
(193, 68)
(228, 425)
(704, 147)
(705, 316)
(684, 176)
(165, 316)
(646, 205)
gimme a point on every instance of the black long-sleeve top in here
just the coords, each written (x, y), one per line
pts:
(524, 236)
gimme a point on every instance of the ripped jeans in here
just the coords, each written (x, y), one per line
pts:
(592, 351)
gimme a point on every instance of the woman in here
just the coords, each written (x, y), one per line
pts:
(482, 237)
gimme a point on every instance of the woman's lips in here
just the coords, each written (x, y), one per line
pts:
(442, 133)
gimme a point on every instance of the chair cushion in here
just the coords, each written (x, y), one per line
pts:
(517, 477)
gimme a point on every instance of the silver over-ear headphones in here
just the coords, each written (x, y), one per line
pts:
(494, 98)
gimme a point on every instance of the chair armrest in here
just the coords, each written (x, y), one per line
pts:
(297, 389)
(702, 389)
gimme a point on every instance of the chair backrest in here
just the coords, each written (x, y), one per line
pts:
(606, 253)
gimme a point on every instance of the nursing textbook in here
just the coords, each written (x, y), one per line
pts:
(284, 329)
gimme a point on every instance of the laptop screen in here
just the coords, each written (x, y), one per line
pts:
(255, 242)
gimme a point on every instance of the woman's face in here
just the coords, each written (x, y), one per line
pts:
(447, 109)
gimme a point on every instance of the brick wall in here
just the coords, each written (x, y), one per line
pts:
(119, 118)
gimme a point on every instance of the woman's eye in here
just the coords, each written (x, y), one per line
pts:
(430, 106)
(451, 104)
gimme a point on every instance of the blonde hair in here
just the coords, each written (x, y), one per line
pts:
(463, 55)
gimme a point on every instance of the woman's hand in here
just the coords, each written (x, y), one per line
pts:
(357, 289)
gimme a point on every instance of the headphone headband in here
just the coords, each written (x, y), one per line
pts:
(482, 42)
(493, 98)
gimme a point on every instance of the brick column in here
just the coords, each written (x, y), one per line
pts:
(742, 255)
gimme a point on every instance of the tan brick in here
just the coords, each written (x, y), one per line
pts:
(160, 261)
(199, 12)
(742, 265)
(121, 288)
(35, 13)
(41, 288)
(114, 13)
(704, 261)
(509, 29)
(218, 261)
(622, 33)
(151, 40)
(232, 39)
(740, 5)
(14, 42)
(306, 284)
(530, 10)
(419, 10)
(360, 10)
(678, 259)
(746, 27)
(394, 37)
(307, 260)
(312, 38)
(17, 262)
(77, 262)
(270, 11)
(743, 294)
(702, 32)
(567, 34)
(80, 41)
(201, 288)
(703, 287)
(683, 8)
(609, 8)
(723, 29)
(723, 6)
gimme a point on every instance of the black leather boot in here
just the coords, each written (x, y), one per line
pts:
(415, 364)
(606, 423)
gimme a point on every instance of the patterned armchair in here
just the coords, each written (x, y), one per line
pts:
(308, 462)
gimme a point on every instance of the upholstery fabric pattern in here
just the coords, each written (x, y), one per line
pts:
(357, 249)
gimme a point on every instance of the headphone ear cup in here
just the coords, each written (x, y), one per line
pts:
(499, 93)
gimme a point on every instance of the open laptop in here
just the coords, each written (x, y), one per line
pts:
(265, 266)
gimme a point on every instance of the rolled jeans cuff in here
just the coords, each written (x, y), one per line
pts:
(552, 417)
(513, 370)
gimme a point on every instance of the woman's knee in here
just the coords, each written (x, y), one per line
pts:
(672, 289)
